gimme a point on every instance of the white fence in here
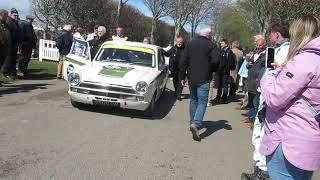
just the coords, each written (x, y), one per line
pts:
(48, 50)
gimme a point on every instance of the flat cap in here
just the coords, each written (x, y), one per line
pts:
(30, 17)
(14, 10)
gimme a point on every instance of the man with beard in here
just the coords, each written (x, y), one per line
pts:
(175, 54)
(9, 67)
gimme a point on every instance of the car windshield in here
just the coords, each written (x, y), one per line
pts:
(127, 54)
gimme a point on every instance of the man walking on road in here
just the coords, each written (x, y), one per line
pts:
(198, 63)
(175, 54)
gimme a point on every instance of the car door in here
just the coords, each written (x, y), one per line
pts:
(163, 68)
(78, 57)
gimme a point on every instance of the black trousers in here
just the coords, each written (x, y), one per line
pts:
(222, 83)
(177, 83)
(233, 89)
(9, 66)
(3, 55)
(25, 59)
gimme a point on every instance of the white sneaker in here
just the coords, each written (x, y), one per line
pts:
(19, 73)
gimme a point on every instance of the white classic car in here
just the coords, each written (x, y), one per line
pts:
(127, 75)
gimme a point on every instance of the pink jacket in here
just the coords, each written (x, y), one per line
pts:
(288, 120)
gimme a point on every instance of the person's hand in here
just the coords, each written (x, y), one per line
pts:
(184, 83)
(276, 67)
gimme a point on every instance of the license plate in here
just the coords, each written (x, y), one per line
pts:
(106, 103)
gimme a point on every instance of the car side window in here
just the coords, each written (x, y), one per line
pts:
(80, 48)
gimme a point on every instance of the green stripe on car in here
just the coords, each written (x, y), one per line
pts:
(75, 62)
(115, 72)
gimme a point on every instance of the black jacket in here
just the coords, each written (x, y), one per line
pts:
(198, 62)
(64, 42)
(29, 38)
(254, 74)
(95, 44)
(5, 40)
(227, 61)
(15, 32)
(175, 54)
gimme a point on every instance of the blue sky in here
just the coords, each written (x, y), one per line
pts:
(24, 7)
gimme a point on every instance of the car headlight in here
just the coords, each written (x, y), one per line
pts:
(74, 79)
(142, 87)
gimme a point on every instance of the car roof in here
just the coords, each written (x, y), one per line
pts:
(130, 43)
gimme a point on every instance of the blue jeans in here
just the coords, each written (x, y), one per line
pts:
(280, 168)
(254, 109)
(198, 102)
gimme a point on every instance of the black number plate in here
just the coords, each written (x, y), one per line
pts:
(105, 103)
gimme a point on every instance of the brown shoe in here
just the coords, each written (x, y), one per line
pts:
(246, 113)
(195, 132)
(250, 125)
(246, 120)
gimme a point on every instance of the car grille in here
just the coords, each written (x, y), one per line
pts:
(109, 88)
(105, 94)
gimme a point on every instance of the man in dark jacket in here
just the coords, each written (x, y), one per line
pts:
(64, 43)
(29, 41)
(4, 36)
(227, 63)
(9, 67)
(96, 43)
(175, 54)
(197, 63)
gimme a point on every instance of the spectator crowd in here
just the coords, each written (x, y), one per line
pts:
(281, 101)
(17, 40)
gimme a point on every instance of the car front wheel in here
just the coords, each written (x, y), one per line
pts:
(149, 112)
(75, 103)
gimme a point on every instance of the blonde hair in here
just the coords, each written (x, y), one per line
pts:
(302, 31)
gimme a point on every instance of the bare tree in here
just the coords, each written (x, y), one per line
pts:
(119, 11)
(181, 10)
(259, 12)
(202, 12)
(159, 9)
(47, 12)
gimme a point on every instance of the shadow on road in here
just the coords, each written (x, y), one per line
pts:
(162, 108)
(14, 88)
(39, 74)
(213, 126)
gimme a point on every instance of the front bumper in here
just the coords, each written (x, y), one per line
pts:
(124, 104)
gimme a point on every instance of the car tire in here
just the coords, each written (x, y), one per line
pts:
(75, 103)
(150, 111)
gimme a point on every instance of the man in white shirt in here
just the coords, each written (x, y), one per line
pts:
(94, 34)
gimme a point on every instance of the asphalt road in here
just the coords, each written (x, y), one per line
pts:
(43, 137)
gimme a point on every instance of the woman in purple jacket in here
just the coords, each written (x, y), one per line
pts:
(292, 134)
